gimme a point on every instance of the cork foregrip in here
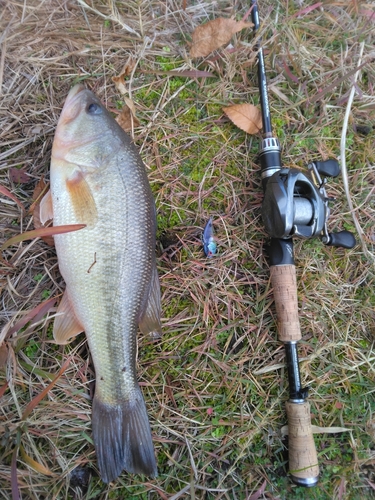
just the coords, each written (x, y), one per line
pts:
(303, 460)
(284, 283)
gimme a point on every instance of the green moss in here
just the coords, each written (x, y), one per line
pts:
(32, 349)
(46, 294)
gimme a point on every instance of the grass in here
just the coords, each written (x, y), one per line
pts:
(215, 384)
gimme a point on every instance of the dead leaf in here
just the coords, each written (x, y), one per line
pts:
(5, 192)
(370, 13)
(119, 80)
(259, 493)
(119, 84)
(127, 119)
(307, 10)
(3, 355)
(38, 467)
(37, 312)
(19, 175)
(39, 191)
(130, 105)
(38, 233)
(246, 116)
(371, 484)
(13, 476)
(36, 130)
(3, 389)
(316, 429)
(214, 34)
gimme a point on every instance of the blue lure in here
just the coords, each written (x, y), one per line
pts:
(209, 245)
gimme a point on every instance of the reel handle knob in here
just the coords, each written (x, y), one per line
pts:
(328, 168)
(344, 239)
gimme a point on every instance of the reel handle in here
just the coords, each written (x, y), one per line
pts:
(303, 459)
(344, 239)
(328, 168)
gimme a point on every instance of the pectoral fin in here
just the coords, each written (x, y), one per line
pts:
(150, 319)
(66, 324)
(46, 208)
(82, 199)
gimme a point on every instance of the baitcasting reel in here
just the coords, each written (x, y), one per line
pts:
(295, 202)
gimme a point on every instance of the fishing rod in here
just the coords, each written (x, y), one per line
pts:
(295, 205)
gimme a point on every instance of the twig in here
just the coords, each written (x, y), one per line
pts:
(343, 157)
(113, 17)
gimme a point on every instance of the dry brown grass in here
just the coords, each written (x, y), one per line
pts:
(215, 384)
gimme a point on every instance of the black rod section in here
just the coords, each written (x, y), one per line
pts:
(266, 117)
(296, 391)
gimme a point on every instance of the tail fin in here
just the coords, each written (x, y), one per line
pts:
(122, 438)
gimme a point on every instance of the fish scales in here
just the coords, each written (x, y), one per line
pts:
(98, 179)
(110, 292)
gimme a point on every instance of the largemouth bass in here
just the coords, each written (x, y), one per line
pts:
(109, 267)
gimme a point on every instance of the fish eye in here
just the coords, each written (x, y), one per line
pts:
(94, 109)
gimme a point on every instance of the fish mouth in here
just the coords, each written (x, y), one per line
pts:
(74, 91)
(72, 106)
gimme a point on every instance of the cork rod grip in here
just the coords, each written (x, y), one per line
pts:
(284, 283)
(303, 460)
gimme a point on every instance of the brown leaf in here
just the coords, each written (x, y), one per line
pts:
(127, 119)
(119, 80)
(38, 467)
(18, 175)
(214, 34)
(38, 233)
(5, 192)
(3, 355)
(40, 190)
(3, 389)
(246, 116)
(37, 312)
(13, 476)
(259, 493)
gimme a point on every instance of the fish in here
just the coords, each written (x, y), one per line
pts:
(97, 178)
(208, 240)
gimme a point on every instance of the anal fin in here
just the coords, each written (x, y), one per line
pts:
(150, 318)
(66, 324)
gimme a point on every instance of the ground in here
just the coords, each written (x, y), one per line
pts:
(215, 384)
